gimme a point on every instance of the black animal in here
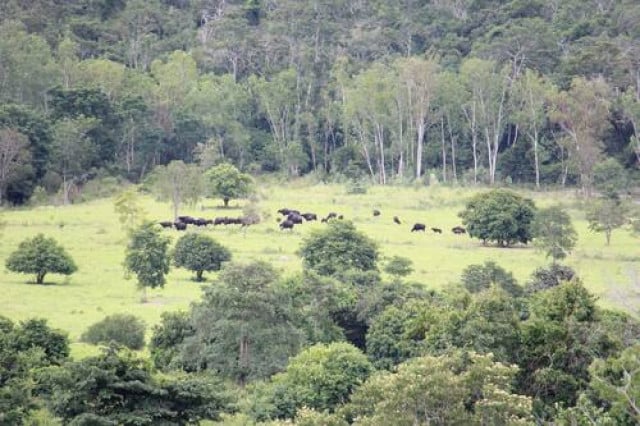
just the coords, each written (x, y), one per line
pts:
(286, 224)
(330, 216)
(376, 212)
(166, 224)
(418, 227)
(309, 216)
(284, 211)
(397, 220)
(187, 219)
(180, 226)
(458, 230)
(436, 230)
(295, 218)
(220, 221)
(202, 222)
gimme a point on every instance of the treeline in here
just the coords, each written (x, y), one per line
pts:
(532, 92)
(341, 343)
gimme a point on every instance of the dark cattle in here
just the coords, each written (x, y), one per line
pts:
(331, 215)
(396, 220)
(234, 221)
(220, 221)
(376, 212)
(309, 216)
(436, 230)
(201, 222)
(458, 230)
(187, 219)
(166, 224)
(286, 224)
(180, 226)
(324, 220)
(418, 227)
(284, 212)
(295, 218)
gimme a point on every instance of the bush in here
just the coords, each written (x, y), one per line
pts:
(124, 329)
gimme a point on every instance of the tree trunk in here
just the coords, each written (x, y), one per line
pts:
(607, 234)
(40, 277)
(143, 296)
(199, 275)
(243, 358)
(536, 159)
(419, 150)
(444, 151)
(225, 200)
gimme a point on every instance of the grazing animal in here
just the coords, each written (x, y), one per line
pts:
(396, 220)
(376, 212)
(331, 215)
(202, 222)
(436, 230)
(220, 221)
(166, 224)
(180, 226)
(284, 211)
(286, 224)
(309, 216)
(458, 230)
(418, 227)
(294, 218)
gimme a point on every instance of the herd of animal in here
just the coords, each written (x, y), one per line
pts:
(290, 218)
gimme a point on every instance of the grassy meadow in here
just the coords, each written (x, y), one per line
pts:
(93, 236)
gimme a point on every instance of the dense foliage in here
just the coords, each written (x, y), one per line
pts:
(123, 329)
(147, 256)
(200, 253)
(40, 255)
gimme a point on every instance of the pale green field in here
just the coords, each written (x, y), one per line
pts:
(93, 236)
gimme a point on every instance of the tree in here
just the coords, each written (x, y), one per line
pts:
(609, 176)
(228, 182)
(115, 387)
(553, 232)
(123, 329)
(147, 257)
(130, 213)
(177, 182)
(14, 155)
(40, 255)
(244, 326)
(477, 278)
(338, 248)
(500, 215)
(399, 266)
(607, 214)
(321, 377)
(199, 253)
(167, 337)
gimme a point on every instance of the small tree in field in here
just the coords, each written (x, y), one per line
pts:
(178, 183)
(199, 253)
(226, 181)
(40, 255)
(501, 216)
(147, 257)
(606, 214)
(554, 233)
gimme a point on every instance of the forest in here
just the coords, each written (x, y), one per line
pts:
(532, 95)
(473, 91)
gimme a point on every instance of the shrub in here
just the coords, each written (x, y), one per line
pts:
(124, 329)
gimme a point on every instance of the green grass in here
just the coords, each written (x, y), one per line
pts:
(92, 234)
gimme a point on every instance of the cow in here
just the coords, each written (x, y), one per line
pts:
(186, 219)
(376, 212)
(458, 230)
(180, 226)
(397, 220)
(436, 230)
(295, 218)
(309, 216)
(220, 221)
(284, 211)
(418, 227)
(166, 224)
(330, 216)
(201, 222)
(286, 224)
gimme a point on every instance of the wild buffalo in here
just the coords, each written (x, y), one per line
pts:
(418, 227)
(166, 224)
(458, 230)
(180, 226)
(397, 220)
(376, 212)
(436, 230)
(286, 224)
(294, 218)
(309, 216)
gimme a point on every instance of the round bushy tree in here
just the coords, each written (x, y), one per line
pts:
(226, 181)
(501, 216)
(40, 255)
(338, 248)
(199, 253)
(477, 278)
(124, 329)
(146, 256)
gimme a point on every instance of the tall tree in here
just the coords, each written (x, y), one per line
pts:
(14, 156)
(178, 183)
(581, 112)
(554, 233)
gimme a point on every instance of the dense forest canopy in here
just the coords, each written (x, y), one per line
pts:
(470, 90)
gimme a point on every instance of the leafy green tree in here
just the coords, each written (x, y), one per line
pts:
(477, 278)
(609, 176)
(147, 257)
(398, 266)
(244, 326)
(130, 213)
(544, 278)
(167, 337)
(123, 329)
(321, 377)
(199, 253)
(178, 183)
(607, 214)
(228, 182)
(338, 248)
(14, 157)
(115, 387)
(40, 255)
(459, 388)
(501, 216)
(554, 233)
